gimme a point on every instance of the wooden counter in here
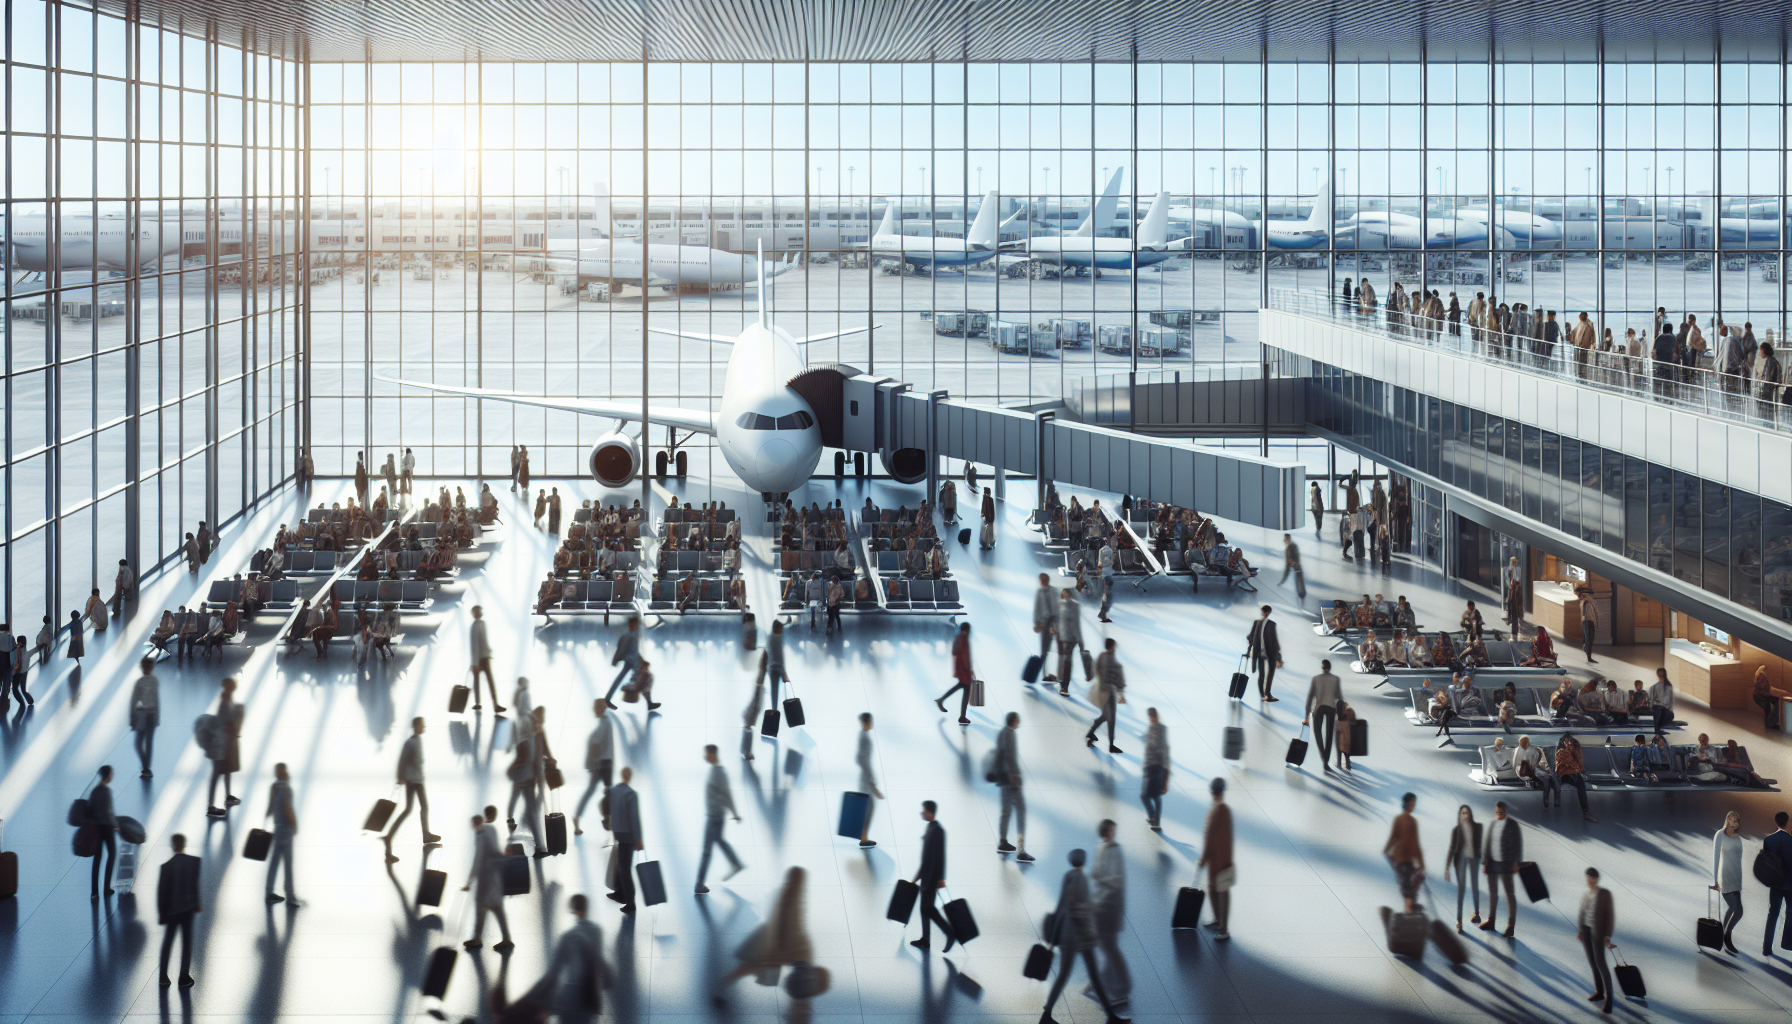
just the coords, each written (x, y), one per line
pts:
(1558, 611)
(1719, 682)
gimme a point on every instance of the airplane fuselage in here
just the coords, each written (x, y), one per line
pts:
(681, 265)
(767, 432)
(1101, 253)
(86, 243)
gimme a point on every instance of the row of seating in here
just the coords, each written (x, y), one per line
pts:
(722, 516)
(1611, 771)
(302, 561)
(893, 563)
(1128, 562)
(1504, 655)
(626, 561)
(712, 596)
(283, 595)
(602, 596)
(693, 561)
(715, 532)
(410, 595)
(805, 561)
(323, 515)
(1479, 707)
(930, 596)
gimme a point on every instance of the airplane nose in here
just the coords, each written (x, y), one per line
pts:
(775, 458)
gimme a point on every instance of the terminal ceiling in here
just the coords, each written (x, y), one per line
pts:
(987, 30)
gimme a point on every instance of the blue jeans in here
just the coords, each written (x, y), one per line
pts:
(712, 838)
(1467, 870)
(282, 851)
(628, 667)
(1151, 794)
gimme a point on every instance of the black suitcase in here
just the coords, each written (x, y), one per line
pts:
(1710, 931)
(854, 808)
(9, 875)
(258, 844)
(1039, 963)
(1630, 979)
(516, 875)
(1407, 933)
(768, 725)
(1189, 902)
(653, 887)
(902, 901)
(1030, 674)
(441, 968)
(1088, 665)
(429, 891)
(1240, 682)
(556, 824)
(964, 926)
(964, 535)
(1534, 885)
(793, 712)
(1234, 747)
(1297, 749)
(1359, 738)
(457, 699)
(377, 818)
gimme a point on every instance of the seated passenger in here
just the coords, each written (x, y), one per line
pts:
(1443, 652)
(1637, 703)
(1365, 613)
(1396, 650)
(1474, 654)
(936, 561)
(843, 557)
(737, 592)
(563, 560)
(1340, 619)
(165, 630)
(1615, 704)
(547, 596)
(1507, 711)
(1734, 764)
(1534, 769)
(1471, 621)
(688, 592)
(192, 627)
(1543, 651)
(1592, 703)
(1441, 713)
(1498, 760)
(1563, 702)
(1384, 612)
(1638, 763)
(861, 592)
(1237, 566)
(1371, 654)
(913, 563)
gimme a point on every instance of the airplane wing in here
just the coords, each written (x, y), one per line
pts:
(831, 335)
(698, 420)
(719, 339)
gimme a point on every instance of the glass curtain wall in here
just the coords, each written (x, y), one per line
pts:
(152, 293)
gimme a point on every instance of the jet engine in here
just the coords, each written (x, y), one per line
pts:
(615, 459)
(906, 465)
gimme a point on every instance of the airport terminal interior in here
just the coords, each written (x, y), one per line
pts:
(628, 509)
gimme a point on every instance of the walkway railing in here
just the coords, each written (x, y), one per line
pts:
(1697, 389)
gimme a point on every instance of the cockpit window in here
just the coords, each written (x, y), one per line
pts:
(798, 420)
(755, 421)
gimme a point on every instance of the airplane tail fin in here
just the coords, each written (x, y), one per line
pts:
(1154, 230)
(887, 226)
(1320, 217)
(765, 293)
(984, 233)
(1103, 210)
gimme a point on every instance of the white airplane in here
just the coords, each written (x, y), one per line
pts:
(924, 251)
(1377, 229)
(1525, 227)
(682, 266)
(1310, 233)
(767, 430)
(1149, 244)
(88, 243)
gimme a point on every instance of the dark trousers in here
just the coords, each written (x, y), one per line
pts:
(1774, 898)
(1066, 963)
(1497, 875)
(211, 789)
(833, 616)
(109, 847)
(1663, 716)
(19, 693)
(930, 911)
(1151, 793)
(1109, 712)
(628, 668)
(181, 924)
(625, 869)
(1579, 782)
(1588, 629)
(1770, 709)
(413, 793)
(602, 774)
(1325, 730)
(145, 742)
(1602, 972)
(1266, 673)
(964, 703)
(1732, 914)
(712, 838)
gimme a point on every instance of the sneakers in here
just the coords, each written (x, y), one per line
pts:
(651, 706)
(1005, 847)
(214, 812)
(866, 844)
(1024, 857)
(1115, 750)
(275, 898)
(431, 838)
(146, 774)
(703, 890)
(503, 947)
(940, 702)
(391, 858)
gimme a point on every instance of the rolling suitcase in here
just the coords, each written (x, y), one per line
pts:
(1030, 674)
(653, 887)
(556, 828)
(516, 875)
(1407, 933)
(9, 875)
(1039, 963)
(1189, 901)
(1234, 748)
(1532, 877)
(749, 631)
(768, 725)
(1240, 682)
(258, 844)
(1359, 738)
(429, 891)
(964, 535)
(441, 968)
(902, 901)
(1088, 664)
(87, 840)
(1630, 978)
(976, 693)
(457, 698)
(988, 536)
(964, 926)
(1710, 931)
(1297, 749)
(793, 712)
(377, 818)
(853, 809)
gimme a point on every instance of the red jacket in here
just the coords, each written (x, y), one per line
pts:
(961, 658)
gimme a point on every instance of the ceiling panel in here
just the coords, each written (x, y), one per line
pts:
(985, 30)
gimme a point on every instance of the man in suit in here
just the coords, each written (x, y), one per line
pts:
(1779, 843)
(1045, 619)
(1503, 849)
(628, 655)
(718, 800)
(578, 974)
(1109, 880)
(1324, 694)
(625, 827)
(410, 776)
(1595, 934)
(932, 877)
(488, 875)
(177, 900)
(1266, 654)
(286, 826)
(482, 659)
(101, 815)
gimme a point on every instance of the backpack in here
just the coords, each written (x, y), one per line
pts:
(208, 731)
(1768, 869)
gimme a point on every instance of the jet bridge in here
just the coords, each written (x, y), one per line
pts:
(910, 431)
